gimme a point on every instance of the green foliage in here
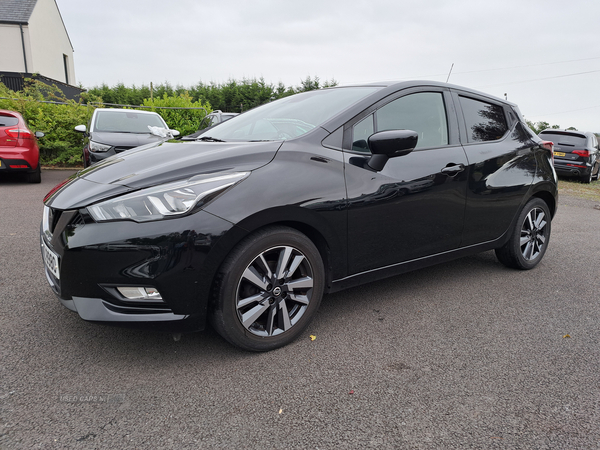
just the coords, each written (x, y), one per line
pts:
(232, 96)
(61, 144)
(538, 127)
(186, 121)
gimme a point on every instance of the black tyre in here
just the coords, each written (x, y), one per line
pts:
(35, 176)
(529, 239)
(268, 289)
(587, 178)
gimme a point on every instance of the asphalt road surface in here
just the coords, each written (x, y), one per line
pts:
(464, 355)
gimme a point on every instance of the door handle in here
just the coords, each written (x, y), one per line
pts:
(453, 169)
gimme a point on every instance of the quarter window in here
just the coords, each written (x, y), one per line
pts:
(362, 131)
(485, 121)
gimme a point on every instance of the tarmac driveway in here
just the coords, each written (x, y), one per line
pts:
(463, 355)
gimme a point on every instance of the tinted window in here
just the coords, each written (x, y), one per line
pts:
(485, 121)
(8, 121)
(567, 139)
(423, 112)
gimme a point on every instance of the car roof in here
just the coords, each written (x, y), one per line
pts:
(569, 132)
(8, 111)
(126, 110)
(398, 85)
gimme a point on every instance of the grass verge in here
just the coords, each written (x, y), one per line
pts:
(574, 188)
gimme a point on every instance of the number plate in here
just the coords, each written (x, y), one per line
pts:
(559, 154)
(50, 260)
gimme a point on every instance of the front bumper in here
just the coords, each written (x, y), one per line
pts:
(86, 261)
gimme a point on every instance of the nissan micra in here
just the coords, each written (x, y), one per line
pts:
(248, 227)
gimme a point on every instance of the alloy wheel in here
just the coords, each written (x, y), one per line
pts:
(274, 291)
(533, 234)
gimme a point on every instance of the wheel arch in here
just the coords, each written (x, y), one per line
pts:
(548, 198)
(310, 223)
(329, 243)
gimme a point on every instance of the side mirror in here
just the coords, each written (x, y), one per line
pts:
(39, 134)
(390, 144)
(81, 128)
(175, 133)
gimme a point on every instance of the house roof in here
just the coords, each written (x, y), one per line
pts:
(16, 11)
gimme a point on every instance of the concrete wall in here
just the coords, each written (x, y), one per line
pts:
(49, 42)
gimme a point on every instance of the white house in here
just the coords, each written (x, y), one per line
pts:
(35, 41)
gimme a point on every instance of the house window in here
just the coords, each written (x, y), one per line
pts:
(66, 62)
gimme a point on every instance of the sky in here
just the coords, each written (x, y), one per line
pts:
(543, 55)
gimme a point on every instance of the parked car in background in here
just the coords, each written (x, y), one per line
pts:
(19, 151)
(112, 131)
(313, 193)
(576, 153)
(214, 118)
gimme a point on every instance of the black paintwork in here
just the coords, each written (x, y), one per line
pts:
(427, 206)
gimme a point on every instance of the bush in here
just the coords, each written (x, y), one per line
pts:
(61, 144)
(186, 121)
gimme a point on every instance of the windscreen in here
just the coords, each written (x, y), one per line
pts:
(289, 117)
(126, 122)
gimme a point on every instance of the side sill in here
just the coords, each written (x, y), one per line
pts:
(414, 264)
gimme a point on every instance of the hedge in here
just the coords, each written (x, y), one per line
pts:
(46, 109)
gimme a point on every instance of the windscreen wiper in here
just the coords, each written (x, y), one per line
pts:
(209, 139)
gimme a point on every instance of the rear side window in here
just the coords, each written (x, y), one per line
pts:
(485, 121)
(8, 121)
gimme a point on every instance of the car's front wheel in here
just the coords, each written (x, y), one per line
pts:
(529, 239)
(268, 289)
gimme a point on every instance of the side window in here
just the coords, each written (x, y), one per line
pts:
(361, 132)
(423, 112)
(485, 121)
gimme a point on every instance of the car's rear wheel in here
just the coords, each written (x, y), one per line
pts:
(587, 178)
(35, 176)
(529, 239)
(268, 289)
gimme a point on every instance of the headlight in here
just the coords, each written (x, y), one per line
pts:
(168, 200)
(95, 147)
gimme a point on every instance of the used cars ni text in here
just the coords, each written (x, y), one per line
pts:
(19, 151)
(307, 195)
(112, 131)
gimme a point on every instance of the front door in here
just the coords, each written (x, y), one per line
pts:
(415, 206)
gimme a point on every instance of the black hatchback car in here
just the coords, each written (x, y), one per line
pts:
(576, 153)
(310, 194)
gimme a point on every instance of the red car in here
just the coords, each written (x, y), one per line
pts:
(19, 150)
